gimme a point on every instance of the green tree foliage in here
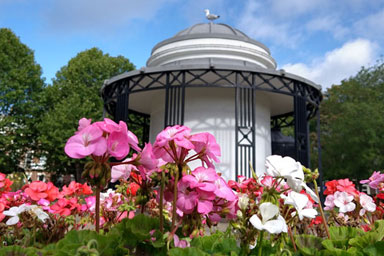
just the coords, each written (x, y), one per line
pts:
(352, 124)
(20, 87)
(74, 94)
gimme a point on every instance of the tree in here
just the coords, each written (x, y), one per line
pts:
(74, 94)
(352, 124)
(20, 86)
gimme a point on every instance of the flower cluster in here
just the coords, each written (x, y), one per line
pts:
(343, 194)
(273, 202)
(349, 202)
(376, 181)
(204, 192)
(5, 184)
(100, 140)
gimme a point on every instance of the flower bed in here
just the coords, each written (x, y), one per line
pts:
(162, 207)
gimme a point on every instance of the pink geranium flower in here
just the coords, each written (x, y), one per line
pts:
(375, 180)
(207, 147)
(147, 159)
(180, 243)
(122, 171)
(203, 179)
(118, 146)
(223, 190)
(179, 135)
(205, 202)
(89, 141)
(345, 185)
(83, 123)
(107, 125)
(90, 203)
(187, 199)
(329, 203)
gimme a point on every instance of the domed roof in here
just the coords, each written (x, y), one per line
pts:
(211, 43)
(212, 30)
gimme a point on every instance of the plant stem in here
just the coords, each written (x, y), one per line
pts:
(161, 201)
(97, 209)
(292, 239)
(175, 197)
(321, 211)
(260, 243)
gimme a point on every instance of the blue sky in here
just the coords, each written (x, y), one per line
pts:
(322, 40)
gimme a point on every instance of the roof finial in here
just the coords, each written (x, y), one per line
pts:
(210, 16)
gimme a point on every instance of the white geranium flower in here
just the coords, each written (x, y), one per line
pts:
(253, 246)
(367, 204)
(291, 170)
(284, 166)
(299, 201)
(343, 200)
(14, 212)
(268, 212)
(40, 214)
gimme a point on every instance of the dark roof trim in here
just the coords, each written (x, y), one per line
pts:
(149, 70)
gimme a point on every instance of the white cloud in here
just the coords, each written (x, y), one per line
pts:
(338, 64)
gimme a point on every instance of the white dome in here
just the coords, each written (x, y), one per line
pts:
(210, 43)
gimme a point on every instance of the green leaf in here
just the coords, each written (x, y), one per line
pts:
(308, 245)
(142, 225)
(16, 250)
(191, 251)
(216, 243)
(375, 250)
(341, 233)
(370, 237)
(70, 244)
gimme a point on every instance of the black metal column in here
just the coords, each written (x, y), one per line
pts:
(174, 104)
(301, 130)
(245, 131)
(320, 166)
(121, 112)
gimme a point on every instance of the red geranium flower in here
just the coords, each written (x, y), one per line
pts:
(64, 207)
(380, 196)
(5, 184)
(316, 221)
(75, 188)
(132, 189)
(331, 187)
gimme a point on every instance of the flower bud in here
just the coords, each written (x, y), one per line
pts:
(239, 214)
(243, 202)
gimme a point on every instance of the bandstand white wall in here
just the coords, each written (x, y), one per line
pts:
(213, 110)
